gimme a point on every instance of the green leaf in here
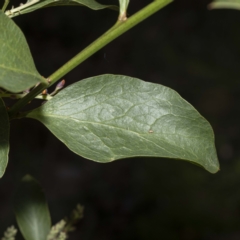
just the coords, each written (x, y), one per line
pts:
(231, 4)
(4, 137)
(92, 4)
(17, 69)
(31, 210)
(111, 117)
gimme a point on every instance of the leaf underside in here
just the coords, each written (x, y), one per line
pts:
(92, 4)
(4, 138)
(31, 210)
(111, 117)
(230, 4)
(17, 69)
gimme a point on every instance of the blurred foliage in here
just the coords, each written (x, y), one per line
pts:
(225, 4)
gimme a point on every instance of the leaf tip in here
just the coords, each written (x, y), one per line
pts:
(214, 168)
(27, 178)
(210, 6)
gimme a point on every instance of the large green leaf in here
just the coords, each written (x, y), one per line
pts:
(31, 210)
(92, 4)
(231, 4)
(4, 138)
(110, 117)
(17, 69)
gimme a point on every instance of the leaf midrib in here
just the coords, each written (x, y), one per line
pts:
(18, 70)
(107, 125)
(123, 129)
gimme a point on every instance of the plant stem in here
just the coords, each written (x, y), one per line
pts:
(123, 10)
(28, 98)
(16, 11)
(118, 29)
(5, 5)
(19, 96)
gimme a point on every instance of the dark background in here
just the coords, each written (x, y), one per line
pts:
(184, 46)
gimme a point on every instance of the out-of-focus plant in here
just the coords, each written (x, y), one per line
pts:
(33, 216)
(231, 4)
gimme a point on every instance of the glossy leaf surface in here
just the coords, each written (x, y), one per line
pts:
(231, 4)
(31, 210)
(4, 137)
(92, 4)
(110, 117)
(17, 69)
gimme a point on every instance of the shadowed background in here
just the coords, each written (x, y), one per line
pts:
(184, 46)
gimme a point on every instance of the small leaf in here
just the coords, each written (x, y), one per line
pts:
(4, 137)
(17, 69)
(92, 4)
(110, 117)
(231, 4)
(31, 210)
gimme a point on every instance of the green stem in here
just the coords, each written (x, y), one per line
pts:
(123, 10)
(16, 11)
(5, 5)
(118, 29)
(19, 96)
(28, 98)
